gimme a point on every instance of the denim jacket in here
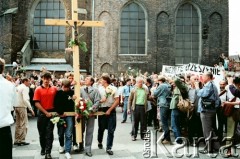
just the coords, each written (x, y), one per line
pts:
(210, 91)
(161, 93)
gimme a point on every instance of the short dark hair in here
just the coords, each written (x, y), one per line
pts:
(46, 75)
(149, 80)
(24, 80)
(128, 79)
(162, 78)
(114, 80)
(209, 74)
(106, 78)
(91, 79)
(66, 83)
(236, 80)
(2, 65)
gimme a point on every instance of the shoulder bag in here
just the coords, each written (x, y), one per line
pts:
(208, 103)
(184, 105)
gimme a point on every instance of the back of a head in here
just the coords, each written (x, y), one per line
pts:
(209, 74)
(236, 80)
(161, 78)
(66, 83)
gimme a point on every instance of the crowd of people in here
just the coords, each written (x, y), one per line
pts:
(149, 100)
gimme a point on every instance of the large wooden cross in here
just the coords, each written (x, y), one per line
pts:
(75, 23)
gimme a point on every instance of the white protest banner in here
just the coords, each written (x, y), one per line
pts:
(171, 71)
(196, 69)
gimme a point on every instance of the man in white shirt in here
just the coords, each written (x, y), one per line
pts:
(109, 102)
(7, 97)
(21, 105)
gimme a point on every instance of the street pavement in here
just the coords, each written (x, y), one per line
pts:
(123, 146)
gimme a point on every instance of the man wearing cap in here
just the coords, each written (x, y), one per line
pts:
(7, 98)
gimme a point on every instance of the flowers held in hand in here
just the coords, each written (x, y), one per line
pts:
(84, 108)
(109, 91)
(56, 119)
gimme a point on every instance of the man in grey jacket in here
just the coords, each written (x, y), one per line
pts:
(137, 103)
(91, 93)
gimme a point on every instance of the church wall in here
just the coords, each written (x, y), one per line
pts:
(161, 24)
(6, 27)
(15, 29)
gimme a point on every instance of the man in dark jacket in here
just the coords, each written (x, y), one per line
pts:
(64, 102)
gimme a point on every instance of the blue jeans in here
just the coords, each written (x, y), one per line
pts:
(68, 133)
(176, 123)
(125, 104)
(164, 115)
(109, 123)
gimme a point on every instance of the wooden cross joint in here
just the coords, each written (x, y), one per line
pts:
(74, 23)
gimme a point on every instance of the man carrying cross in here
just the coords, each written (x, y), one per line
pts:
(90, 93)
(109, 102)
(44, 99)
(64, 102)
(75, 23)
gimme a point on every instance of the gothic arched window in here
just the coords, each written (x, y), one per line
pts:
(187, 35)
(133, 30)
(48, 37)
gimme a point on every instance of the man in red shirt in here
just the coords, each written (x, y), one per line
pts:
(44, 99)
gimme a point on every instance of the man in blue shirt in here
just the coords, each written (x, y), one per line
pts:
(126, 92)
(208, 115)
(161, 93)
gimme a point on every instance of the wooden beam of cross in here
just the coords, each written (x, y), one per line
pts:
(75, 23)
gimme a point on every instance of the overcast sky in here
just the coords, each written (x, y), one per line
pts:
(234, 27)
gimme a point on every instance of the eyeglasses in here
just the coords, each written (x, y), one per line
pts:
(196, 79)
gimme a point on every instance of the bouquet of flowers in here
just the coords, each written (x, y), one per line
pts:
(56, 119)
(109, 91)
(84, 108)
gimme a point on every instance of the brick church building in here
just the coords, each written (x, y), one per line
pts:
(139, 34)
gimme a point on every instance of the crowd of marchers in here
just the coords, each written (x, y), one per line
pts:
(149, 101)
